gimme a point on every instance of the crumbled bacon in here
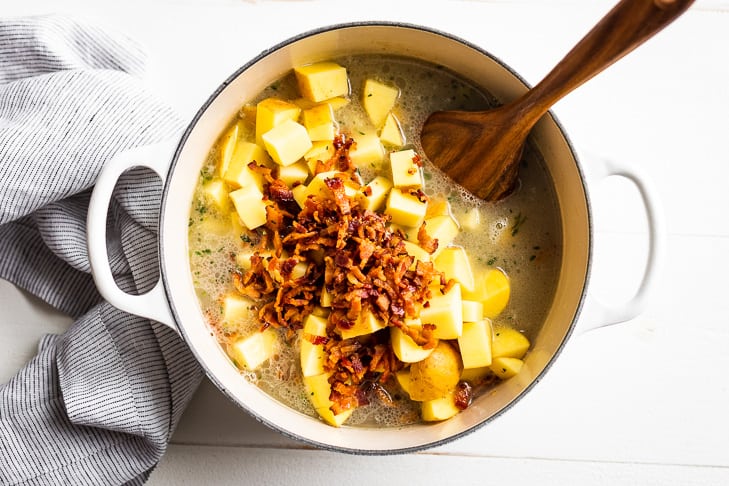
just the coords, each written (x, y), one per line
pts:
(427, 242)
(362, 263)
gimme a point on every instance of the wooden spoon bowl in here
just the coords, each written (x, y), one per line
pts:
(481, 150)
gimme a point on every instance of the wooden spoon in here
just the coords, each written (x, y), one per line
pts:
(481, 150)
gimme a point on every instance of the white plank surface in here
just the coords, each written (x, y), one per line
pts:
(638, 403)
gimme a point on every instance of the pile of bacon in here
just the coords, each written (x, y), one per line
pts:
(362, 263)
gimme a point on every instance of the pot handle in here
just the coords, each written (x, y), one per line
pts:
(597, 314)
(153, 304)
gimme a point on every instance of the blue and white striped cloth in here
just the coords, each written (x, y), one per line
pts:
(99, 403)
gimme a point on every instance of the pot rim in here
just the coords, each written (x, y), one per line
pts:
(176, 315)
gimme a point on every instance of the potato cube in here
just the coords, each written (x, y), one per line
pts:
(453, 262)
(439, 409)
(313, 355)
(378, 100)
(446, 312)
(238, 173)
(319, 122)
(299, 271)
(243, 259)
(374, 194)
(403, 379)
(404, 208)
(227, 147)
(320, 150)
(405, 169)
(367, 151)
(505, 368)
(509, 343)
(217, 193)
(493, 290)
(321, 81)
(472, 310)
(249, 204)
(334, 420)
(294, 173)
(442, 228)
(252, 351)
(475, 344)
(272, 112)
(405, 348)
(300, 193)
(391, 133)
(471, 219)
(416, 251)
(236, 308)
(318, 188)
(318, 389)
(438, 206)
(287, 142)
(366, 323)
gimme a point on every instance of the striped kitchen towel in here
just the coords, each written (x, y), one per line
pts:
(99, 403)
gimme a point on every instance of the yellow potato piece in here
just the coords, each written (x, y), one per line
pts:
(437, 375)
(475, 344)
(405, 348)
(378, 99)
(217, 192)
(373, 196)
(270, 113)
(322, 80)
(287, 143)
(252, 351)
(508, 342)
(391, 133)
(446, 312)
(405, 171)
(505, 367)
(439, 409)
(493, 289)
(366, 323)
(404, 208)
(249, 204)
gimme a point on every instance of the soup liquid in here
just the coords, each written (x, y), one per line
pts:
(520, 234)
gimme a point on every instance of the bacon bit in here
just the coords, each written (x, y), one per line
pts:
(422, 197)
(412, 170)
(463, 395)
(425, 241)
(417, 160)
(367, 191)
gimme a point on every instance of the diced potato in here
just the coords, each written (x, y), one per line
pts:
(287, 143)
(391, 133)
(403, 379)
(475, 375)
(320, 150)
(294, 173)
(439, 408)
(319, 122)
(313, 356)
(437, 375)
(322, 80)
(368, 150)
(509, 343)
(446, 312)
(444, 229)
(416, 251)
(475, 344)
(300, 193)
(334, 420)
(439, 207)
(217, 193)
(378, 100)
(472, 310)
(243, 259)
(493, 290)
(505, 368)
(404, 208)
(318, 389)
(299, 270)
(471, 219)
(227, 147)
(326, 298)
(236, 308)
(405, 170)
(238, 173)
(272, 112)
(453, 262)
(374, 194)
(317, 186)
(249, 204)
(252, 351)
(366, 323)
(405, 348)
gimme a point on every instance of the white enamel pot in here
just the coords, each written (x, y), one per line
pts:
(178, 163)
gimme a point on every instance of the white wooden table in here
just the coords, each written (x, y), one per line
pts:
(644, 402)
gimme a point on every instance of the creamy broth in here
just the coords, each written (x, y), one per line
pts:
(520, 235)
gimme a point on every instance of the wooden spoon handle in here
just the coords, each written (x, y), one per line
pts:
(625, 27)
